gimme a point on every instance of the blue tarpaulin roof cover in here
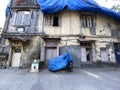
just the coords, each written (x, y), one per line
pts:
(52, 6)
(6, 11)
(59, 62)
(7, 8)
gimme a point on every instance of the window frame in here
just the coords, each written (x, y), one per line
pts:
(87, 20)
(49, 20)
(23, 20)
(19, 28)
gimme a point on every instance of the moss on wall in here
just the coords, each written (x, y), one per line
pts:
(31, 51)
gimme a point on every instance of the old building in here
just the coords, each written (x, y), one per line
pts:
(33, 33)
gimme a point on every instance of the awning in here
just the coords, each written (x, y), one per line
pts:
(85, 40)
(51, 38)
(23, 39)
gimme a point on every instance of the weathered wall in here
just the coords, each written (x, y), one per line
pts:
(70, 25)
(74, 50)
(35, 22)
(71, 45)
(31, 51)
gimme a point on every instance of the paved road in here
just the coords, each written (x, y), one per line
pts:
(79, 79)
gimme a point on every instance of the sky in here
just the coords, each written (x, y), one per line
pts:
(3, 4)
(109, 3)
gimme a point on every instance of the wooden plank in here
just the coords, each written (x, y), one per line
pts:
(83, 54)
(51, 52)
(104, 55)
(42, 54)
(94, 54)
(58, 50)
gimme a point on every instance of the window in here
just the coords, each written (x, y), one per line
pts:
(55, 21)
(87, 20)
(51, 20)
(20, 29)
(115, 32)
(92, 31)
(22, 18)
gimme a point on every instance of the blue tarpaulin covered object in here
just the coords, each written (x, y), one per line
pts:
(52, 6)
(59, 62)
(117, 54)
(6, 11)
(7, 8)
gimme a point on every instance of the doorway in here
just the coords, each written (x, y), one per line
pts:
(86, 54)
(117, 52)
(51, 52)
(16, 58)
(104, 55)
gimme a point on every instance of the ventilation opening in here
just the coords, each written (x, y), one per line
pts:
(55, 21)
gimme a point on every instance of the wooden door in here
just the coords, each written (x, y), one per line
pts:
(83, 54)
(104, 55)
(93, 54)
(16, 58)
(51, 52)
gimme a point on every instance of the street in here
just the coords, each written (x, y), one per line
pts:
(79, 79)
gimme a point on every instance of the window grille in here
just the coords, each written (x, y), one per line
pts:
(22, 18)
(87, 20)
(51, 20)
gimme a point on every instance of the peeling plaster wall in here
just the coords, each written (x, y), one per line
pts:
(31, 51)
(106, 43)
(39, 23)
(35, 22)
(103, 25)
(70, 24)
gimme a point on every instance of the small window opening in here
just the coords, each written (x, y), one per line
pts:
(55, 21)
(51, 20)
(20, 29)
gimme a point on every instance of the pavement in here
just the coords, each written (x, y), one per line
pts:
(79, 79)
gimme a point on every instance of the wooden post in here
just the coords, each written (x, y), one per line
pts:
(42, 54)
